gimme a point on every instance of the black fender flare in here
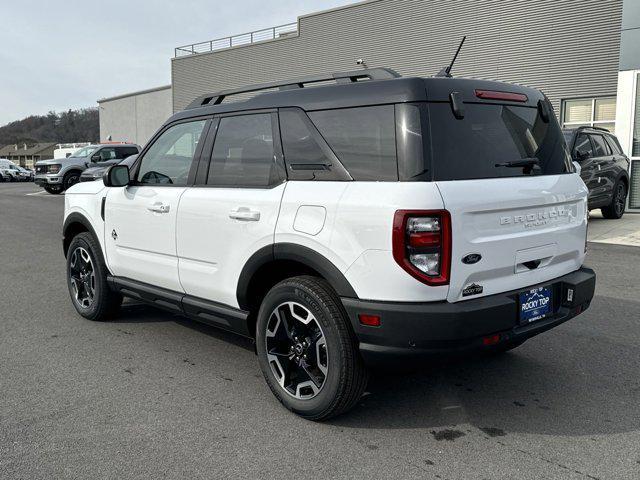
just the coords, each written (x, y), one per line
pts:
(297, 253)
(72, 218)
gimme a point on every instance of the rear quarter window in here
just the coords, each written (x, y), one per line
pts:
(363, 139)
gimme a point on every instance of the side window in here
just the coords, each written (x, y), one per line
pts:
(307, 159)
(583, 145)
(600, 146)
(124, 152)
(168, 160)
(363, 138)
(613, 145)
(107, 154)
(243, 152)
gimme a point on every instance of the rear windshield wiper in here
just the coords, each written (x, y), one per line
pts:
(523, 162)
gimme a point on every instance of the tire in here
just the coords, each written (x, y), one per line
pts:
(333, 359)
(103, 304)
(615, 209)
(53, 190)
(70, 179)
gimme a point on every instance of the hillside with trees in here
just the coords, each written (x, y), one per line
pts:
(66, 127)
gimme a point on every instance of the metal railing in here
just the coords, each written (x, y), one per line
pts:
(271, 33)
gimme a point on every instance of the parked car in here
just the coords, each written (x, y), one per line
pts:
(96, 173)
(352, 225)
(604, 168)
(10, 172)
(57, 175)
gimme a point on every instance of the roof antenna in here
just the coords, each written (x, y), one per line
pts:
(446, 71)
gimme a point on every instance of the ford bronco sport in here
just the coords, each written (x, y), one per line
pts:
(344, 226)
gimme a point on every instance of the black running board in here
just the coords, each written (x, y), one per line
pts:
(205, 311)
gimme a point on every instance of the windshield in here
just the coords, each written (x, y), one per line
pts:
(490, 141)
(84, 152)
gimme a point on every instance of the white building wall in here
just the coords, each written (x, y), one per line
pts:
(135, 117)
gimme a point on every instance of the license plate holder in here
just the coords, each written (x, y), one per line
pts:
(535, 304)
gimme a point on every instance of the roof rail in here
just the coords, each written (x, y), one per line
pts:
(340, 77)
(582, 127)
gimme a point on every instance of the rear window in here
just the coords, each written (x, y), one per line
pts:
(363, 139)
(490, 135)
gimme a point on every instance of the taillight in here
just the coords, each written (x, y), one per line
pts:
(422, 244)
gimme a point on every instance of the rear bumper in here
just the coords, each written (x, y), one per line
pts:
(411, 330)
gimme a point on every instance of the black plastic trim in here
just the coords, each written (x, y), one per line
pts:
(75, 217)
(212, 313)
(297, 253)
(421, 329)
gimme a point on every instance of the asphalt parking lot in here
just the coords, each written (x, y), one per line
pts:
(154, 395)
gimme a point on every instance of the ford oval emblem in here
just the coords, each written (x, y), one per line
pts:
(471, 258)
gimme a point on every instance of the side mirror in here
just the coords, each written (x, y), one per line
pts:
(116, 176)
(578, 167)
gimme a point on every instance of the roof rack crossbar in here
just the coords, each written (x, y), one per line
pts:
(340, 77)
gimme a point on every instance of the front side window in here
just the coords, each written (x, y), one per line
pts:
(583, 147)
(243, 152)
(363, 139)
(168, 160)
(106, 154)
(84, 152)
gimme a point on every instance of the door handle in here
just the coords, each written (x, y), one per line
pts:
(244, 214)
(159, 207)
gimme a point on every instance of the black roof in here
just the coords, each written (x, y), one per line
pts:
(370, 87)
(586, 127)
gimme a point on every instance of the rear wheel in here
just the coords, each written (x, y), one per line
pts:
(615, 209)
(306, 350)
(87, 280)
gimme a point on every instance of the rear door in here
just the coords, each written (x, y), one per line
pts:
(606, 166)
(232, 211)
(526, 222)
(583, 153)
(140, 219)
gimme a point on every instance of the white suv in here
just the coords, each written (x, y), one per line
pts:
(345, 226)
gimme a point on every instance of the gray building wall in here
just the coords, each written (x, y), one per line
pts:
(630, 41)
(568, 48)
(135, 117)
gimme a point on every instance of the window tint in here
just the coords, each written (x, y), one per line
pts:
(363, 139)
(243, 152)
(614, 145)
(106, 154)
(600, 148)
(583, 145)
(305, 157)
(168, 160)
(124, 152)
(489, 137)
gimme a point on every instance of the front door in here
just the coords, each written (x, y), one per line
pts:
(232, 212)
(140, 219)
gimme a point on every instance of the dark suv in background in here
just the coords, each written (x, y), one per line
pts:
(605, 169)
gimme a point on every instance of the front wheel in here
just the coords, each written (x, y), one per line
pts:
(615, 209)
(53, 189)
(307, 351)
(70, 179)
(87, 280)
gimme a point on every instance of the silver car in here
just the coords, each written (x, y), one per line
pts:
(58, 174)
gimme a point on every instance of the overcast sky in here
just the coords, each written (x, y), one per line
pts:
(56, 55)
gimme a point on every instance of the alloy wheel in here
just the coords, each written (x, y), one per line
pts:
(296, 350)
(620, 199)
(82, 276)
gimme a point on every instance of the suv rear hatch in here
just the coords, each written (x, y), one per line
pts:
(506, 177)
